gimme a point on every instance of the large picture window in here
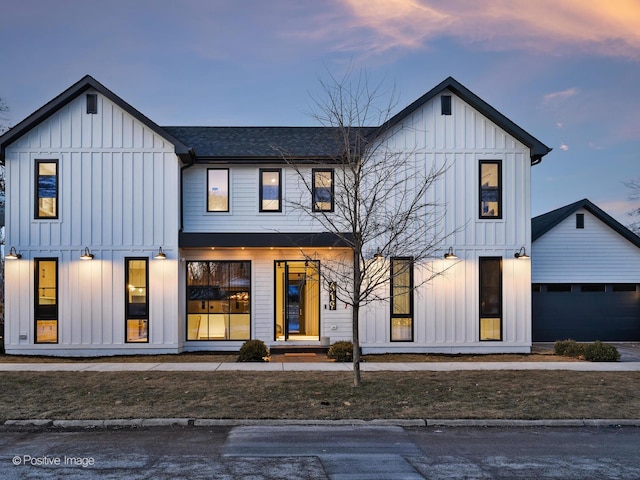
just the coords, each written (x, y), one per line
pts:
(401, 299)
(322, 190)
(490, 189)
(137, 299)
(219, 300)
(217, 190)
(46, 300)
(46, 201)
(491, 298)
(270, 190)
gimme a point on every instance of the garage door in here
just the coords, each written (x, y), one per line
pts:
(586, 312)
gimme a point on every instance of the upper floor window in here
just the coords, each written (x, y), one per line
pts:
(270, 190)
(46, 189)
(322, 190)
(217, 190)
(490, 189)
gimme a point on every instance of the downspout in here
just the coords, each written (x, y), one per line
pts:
(192, 156)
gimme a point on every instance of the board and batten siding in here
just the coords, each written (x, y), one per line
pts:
(446, 308)
(118, 191)
(594, 254)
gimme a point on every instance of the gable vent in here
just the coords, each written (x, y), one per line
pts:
(92, 103)
(445, 104)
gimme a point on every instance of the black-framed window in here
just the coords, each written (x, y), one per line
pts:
(322, 189)
(46, 189)
(490, 177)
(402, 299)
(219, 300)
(217, 190)
(46, 300)
(579, 220)
(270, 190)
(490, 298)
(136, 280)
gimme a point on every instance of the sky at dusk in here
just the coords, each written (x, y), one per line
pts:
(567, 71)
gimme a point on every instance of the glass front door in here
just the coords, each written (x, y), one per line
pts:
(297, 300)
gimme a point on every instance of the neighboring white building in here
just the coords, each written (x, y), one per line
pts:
(87, 173)
(586, 276)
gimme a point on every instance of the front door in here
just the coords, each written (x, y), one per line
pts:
(297, 300)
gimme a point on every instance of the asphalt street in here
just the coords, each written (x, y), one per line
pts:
(263, 452)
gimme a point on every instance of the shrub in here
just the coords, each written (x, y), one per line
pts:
(601, 352)
(341, 351)
(253, 351)
(568, 348)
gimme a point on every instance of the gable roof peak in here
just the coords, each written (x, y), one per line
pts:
(85, 83)
(536, 147)
(545, 222)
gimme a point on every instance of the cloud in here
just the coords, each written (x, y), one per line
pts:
(558, 27)
(554, 97)
(564, 147)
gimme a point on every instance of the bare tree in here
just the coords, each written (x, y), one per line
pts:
(383, 202)
(634, 186)
(4, 117)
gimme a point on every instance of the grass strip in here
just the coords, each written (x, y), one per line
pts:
(321, 395)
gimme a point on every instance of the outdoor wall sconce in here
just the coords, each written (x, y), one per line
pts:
(160, 255)
(13, 255)
(450, 255)
(86, 255)
(522, 253)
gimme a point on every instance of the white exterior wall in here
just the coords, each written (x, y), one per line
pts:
(335, 324)
(118, 194)
(244, 214)
(446, 310)
(595, 254)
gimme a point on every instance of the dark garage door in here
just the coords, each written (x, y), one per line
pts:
(586, 312)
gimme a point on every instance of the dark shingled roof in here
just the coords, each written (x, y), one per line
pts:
(253, 143)
(250, 144)
(545, 222)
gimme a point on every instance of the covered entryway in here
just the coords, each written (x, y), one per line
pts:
(297, 300)
(586, 312)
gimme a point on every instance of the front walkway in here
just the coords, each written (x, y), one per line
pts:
(318, 366)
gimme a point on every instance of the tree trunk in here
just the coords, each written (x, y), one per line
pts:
(356, 319)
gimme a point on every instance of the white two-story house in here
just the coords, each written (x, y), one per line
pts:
(124, 237)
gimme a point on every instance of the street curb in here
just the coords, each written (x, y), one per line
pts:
(212, 422)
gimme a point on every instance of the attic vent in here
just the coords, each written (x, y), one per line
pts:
(445, 104)
(92, 103)
(579, 220)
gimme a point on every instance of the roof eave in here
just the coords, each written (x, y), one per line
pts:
(84, 84)
(536, 147)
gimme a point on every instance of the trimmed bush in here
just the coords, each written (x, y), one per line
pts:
(601, 352)
(253, 351)
(341, 351)
(568, 348)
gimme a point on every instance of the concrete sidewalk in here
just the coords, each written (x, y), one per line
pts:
(319, 366)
